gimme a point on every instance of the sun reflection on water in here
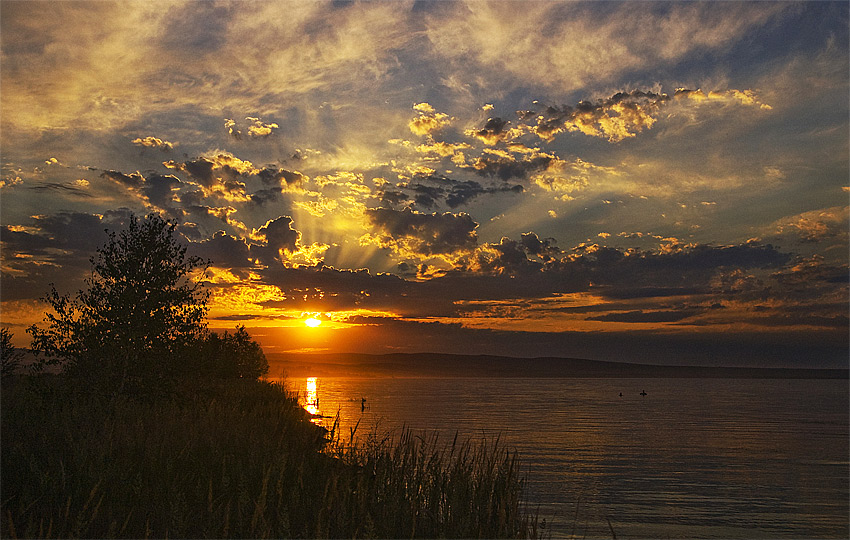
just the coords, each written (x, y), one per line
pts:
(311, 399)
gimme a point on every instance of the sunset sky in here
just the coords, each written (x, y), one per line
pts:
(644, 181)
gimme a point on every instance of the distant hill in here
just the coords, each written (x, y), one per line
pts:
(451, 365)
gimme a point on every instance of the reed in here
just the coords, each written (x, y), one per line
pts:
(236, 459)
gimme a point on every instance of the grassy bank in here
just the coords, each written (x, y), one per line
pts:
(234, 459)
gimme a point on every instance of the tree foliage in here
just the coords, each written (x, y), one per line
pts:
(143, 309)
(9, 354)
(230, 356)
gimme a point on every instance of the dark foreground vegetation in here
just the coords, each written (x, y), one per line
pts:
(234, 458)
(156, 427)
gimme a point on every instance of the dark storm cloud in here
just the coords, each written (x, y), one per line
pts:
(265, 196)
(426, 196)
(325, 288)
(506, 257)
(542, 270)
(638, 316)
(534, 245)
(160, 189)
(54, 248)
(392, 198)
(277, 235)
(493, 131)
(687, 267)
(506, 166)
(654, 292)
(426, 234)
(223, 251)
(245, 317)
(831, 321)
(524, 272)
(69, 231)
(463, 192)
(282, 177)
(432, 190)
(154, 188)
(221, 174)
(192, 198)
(200, 170)
(133, 180)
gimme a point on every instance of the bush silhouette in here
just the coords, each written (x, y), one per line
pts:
(11, 356)
(230, 356)
(143, 310)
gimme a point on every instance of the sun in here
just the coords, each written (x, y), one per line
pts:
(312, 322)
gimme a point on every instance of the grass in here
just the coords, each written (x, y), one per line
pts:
(235, 459)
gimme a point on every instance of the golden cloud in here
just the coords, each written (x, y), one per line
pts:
(153, 142)
(428, 120)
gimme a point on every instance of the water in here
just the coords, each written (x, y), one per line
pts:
(714, 458)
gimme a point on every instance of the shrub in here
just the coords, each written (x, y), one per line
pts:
(11, 356)
(143, 308)
(230, 356)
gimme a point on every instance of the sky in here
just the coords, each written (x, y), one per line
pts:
(642, 182)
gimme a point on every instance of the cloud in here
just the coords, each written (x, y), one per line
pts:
(494, 131)
(159, 191)
(72, 188)
(638, 316)
(816, 225)
(441, 148)
(282, 177)
(54, 248)
(566, 47)
(615, 118)
(277, 236)
(625, 114)
(501, 164)
(265, 196)
(565, 177)
(219, 174)
(259, 129)
(10, 181)
(223, 251)
(744, 97)
(462, 193)
(132, 180)
(154, 142)
(430, 190)
(508, 257)
(413, 234)
(428, 120)
(232, 130)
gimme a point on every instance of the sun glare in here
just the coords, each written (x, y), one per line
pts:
(312, 322)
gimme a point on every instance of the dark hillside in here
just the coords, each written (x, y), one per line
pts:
(450, 365)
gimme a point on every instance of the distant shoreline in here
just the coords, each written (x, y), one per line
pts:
(454, 365)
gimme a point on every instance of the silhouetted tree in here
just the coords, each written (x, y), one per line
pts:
(230, 356)
(10, 355)
(143, 308)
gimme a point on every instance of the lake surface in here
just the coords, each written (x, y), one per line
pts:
(707, 458)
